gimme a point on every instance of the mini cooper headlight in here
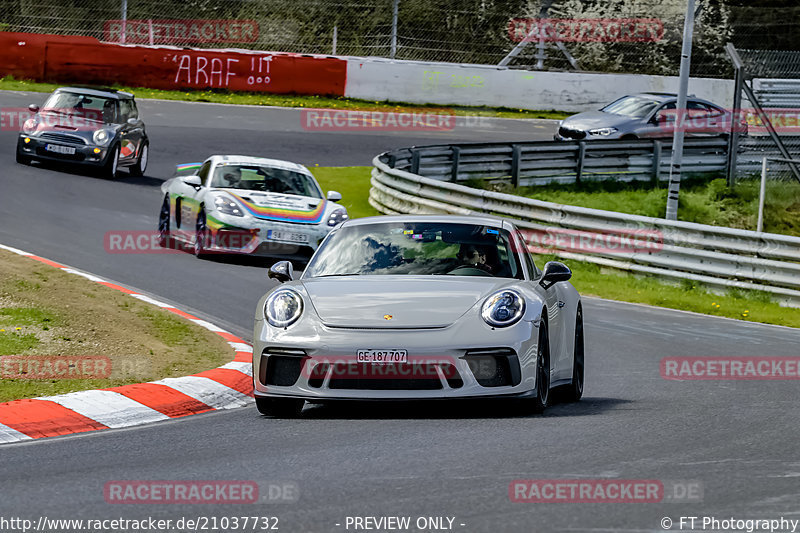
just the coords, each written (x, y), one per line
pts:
(338, 216)
(30, 125)
(503, 308)
(227, 206)
(100, 137)
(283, 308)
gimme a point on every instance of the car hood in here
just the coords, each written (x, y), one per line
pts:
(596, 119)
(76, 124)
(411, 301)
(280, 207)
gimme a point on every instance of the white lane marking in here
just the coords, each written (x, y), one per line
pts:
(16, 251)
(86, 275)
(208, 325)
(241, 347)
(244, 368)
(8, 434)
(153, 301)
(208, 391)
(107, 407)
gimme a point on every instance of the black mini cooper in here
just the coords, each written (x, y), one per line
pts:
(93, 127)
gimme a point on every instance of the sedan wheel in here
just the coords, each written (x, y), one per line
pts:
(538, 404)
(279, 407)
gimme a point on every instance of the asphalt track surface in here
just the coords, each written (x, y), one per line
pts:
(736, 438)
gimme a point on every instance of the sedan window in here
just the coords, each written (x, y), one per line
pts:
(631, 106)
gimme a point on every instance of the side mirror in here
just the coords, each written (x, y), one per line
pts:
(193, 181)
(553, 273)
(33, 108)
(134, 121)
(334, 196)
(282, 271)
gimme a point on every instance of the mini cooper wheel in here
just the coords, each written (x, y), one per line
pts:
(279, 407)
(574, 391)
(141, 165)
(111, 165)
(200, 235)
(164, 239)
(23, 159)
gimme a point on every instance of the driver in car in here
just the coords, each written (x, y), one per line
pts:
(232, 177)
(473, 256)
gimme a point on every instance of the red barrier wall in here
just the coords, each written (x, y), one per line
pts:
(85, 60)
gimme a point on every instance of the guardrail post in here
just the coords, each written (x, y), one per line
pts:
(516, 155)
(456, 162)
(415, 161)
(581, 156)
(656, 163)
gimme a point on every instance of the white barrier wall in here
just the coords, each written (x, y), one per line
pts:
(479, 85)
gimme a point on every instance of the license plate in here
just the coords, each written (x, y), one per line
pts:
(382, 356)
(57, 148)
(287, 236)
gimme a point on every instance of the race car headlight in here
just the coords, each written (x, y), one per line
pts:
(337, 217)
(101, 137)
(227, 206)
(30, 125)
(604, 132)
(503, 309)
(283, 308)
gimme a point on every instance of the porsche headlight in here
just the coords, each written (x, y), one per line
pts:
(30, 125)
(603, 132)
(101, 137)
(503, 308)
(227, 206)
(283, 308)
(337, 217)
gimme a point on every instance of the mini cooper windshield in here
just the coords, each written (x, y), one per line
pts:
(417, 249)
(266, 179)
(91, 107)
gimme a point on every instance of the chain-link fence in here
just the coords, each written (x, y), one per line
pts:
(482, 32)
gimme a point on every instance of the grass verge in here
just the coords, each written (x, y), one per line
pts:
(603, 282)
(702, 200)
(219, 96)
(50, 319)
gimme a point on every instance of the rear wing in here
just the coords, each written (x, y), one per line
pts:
(187, 169)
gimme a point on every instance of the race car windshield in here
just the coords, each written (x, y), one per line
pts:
(631, 106)
(91, 107)
(265, 179)
(417, 249)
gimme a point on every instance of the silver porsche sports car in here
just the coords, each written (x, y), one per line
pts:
(233, 204)
(418, 307)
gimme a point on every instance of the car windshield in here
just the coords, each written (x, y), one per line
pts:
(264, 178)
(417, 248)
(631, 106)
(89, 106)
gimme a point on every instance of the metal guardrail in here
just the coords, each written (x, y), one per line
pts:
(717, 256)
(533, 163)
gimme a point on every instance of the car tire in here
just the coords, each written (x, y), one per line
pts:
(538, 403)
(141, 165)
(574, 391)
(23, 159)
(200, 234)
(279, 407)
(164, 238)
(111, 165)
